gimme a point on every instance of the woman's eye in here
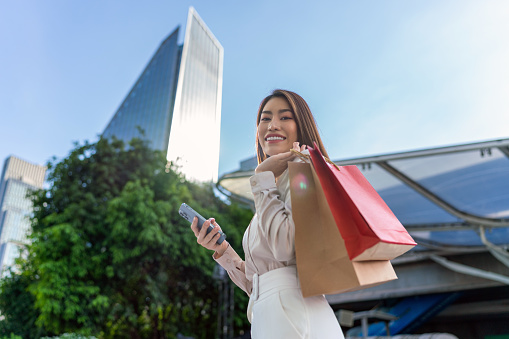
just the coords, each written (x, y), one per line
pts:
(286, 118)
(265, 119)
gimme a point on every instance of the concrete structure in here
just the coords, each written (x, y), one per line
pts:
(18, 177)
(176, 101)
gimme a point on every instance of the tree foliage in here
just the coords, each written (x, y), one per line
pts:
(17, 307)
(110, 255)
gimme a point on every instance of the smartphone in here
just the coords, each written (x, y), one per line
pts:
(188, 213)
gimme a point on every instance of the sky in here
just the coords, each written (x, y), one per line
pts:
(381, 76)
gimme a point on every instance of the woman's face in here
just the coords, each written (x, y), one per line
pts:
(277, 130)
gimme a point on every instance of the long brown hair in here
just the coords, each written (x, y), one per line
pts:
(307, 131)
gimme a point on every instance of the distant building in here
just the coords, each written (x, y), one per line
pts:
(18, 177)
(249, 164)
(179, 92)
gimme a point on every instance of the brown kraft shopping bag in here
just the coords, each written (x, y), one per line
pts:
(323, 264)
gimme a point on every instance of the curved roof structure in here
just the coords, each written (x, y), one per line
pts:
(454, 201)
(441, 195)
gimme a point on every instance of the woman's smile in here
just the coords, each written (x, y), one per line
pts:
(273, 138)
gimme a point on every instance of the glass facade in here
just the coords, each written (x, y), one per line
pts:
(149, 104)
(18, 178)
(16, 209)
(177, 101)
(194, 140)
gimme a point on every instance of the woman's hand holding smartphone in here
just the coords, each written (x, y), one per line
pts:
(209, 240)
(208, 233)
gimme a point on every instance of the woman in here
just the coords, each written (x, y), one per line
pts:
(268, 275)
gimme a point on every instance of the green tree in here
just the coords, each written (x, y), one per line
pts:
(110, 256)
(17, 307)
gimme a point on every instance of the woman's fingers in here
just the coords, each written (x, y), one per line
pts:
(215, 224)
(211, 234)
(299, 148)
(194, 226)
(208, 240)
(204, 228)
(211, 239)
(203, 232)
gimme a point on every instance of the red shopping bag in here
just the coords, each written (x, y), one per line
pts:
(323, 264)
(369, 228)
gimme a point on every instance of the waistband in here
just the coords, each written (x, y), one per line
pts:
(270, 282)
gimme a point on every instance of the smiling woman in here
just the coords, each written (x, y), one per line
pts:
(268, 275)
(285, 109)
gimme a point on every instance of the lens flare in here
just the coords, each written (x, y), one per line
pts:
(299, 184)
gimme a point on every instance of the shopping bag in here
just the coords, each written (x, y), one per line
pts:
(370, 229)
(323, 264)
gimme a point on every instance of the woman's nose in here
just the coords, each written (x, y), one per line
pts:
(273, 125)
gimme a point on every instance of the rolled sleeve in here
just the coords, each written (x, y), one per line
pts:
(262, 181)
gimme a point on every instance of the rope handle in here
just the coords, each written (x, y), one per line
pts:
(307, 158)
(304, 157)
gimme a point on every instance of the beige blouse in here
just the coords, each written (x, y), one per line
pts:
(269, 240)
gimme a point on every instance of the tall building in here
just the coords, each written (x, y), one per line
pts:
(18, 177)
(177, 101)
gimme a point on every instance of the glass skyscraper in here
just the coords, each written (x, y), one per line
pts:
(177, 101)
(18, 177)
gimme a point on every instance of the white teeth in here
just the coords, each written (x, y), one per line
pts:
(275, 138)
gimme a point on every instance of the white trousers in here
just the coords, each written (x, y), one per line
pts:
(278, 310)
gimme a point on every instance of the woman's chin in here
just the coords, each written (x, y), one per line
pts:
(276, 150)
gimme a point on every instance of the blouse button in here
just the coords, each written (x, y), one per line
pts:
(228, 261)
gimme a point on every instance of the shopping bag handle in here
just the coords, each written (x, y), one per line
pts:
(307, 158)
(304, 157)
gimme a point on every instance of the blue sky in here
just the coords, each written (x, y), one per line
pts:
(380, 76)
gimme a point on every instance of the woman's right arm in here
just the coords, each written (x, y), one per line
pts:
(224, 254)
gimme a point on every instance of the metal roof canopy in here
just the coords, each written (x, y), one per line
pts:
(453, 200)
(441, 195)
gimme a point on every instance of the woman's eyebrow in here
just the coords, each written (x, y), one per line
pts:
(280, 111)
